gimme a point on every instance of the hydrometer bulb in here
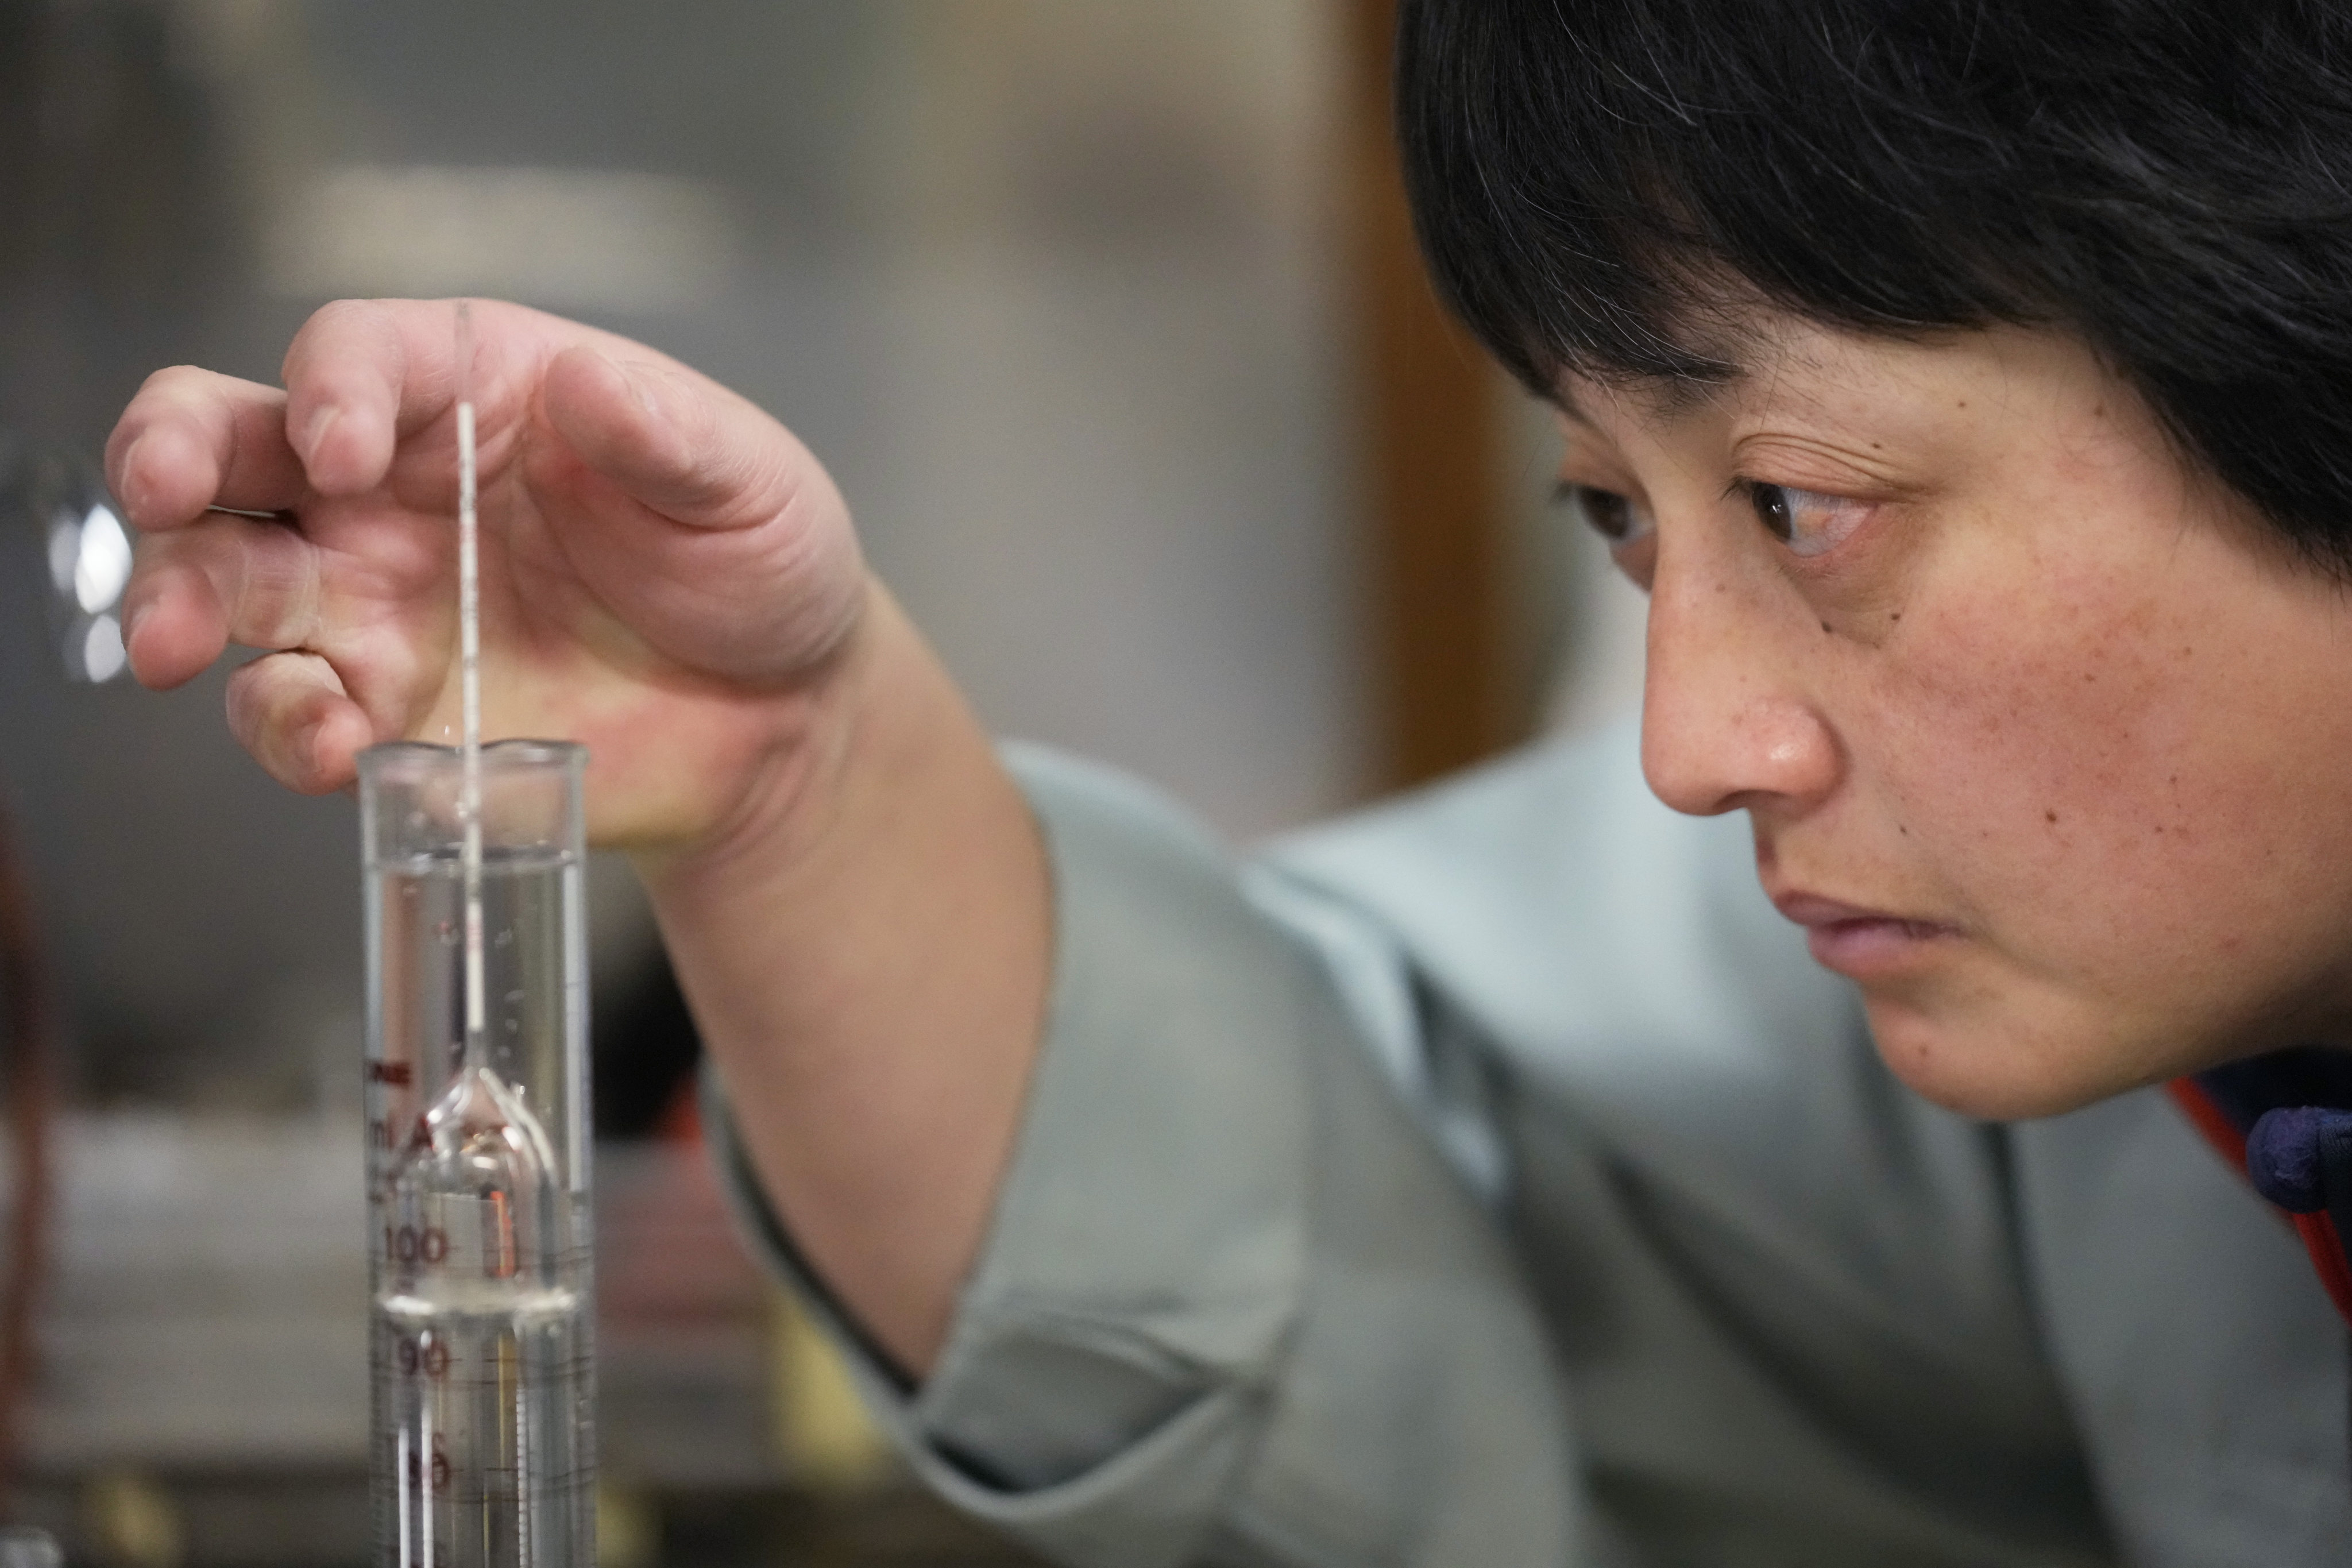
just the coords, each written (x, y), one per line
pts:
(484, 1444)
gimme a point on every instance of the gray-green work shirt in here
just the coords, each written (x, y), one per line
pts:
(1491, 1179)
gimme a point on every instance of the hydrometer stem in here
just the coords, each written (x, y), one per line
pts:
(476, 1049)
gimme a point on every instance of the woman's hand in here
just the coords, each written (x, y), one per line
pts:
(851, 889)
(667, 574)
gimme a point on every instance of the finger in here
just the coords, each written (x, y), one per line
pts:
(290, 711)
(192, 439)
(363, 375)
(678, 442)
(350, 376)
(228, 579)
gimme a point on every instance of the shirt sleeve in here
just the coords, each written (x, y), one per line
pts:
(1238, 1304)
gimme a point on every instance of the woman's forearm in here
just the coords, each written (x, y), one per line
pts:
(867, 963)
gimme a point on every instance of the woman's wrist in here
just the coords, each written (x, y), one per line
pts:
(796, 761)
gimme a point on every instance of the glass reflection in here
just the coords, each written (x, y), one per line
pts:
(88, 550)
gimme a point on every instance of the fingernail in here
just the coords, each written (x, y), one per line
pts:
(641, 388)
(130, 626)
(133, 501)
(316, 431)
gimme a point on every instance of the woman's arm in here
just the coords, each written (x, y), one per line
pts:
(867, 967)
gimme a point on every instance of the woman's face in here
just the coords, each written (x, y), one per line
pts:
(2043, 737)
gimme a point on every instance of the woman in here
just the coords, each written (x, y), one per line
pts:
(2009, 346)
(1491, 1180)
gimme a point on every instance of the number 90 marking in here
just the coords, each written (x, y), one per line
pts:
(429, 1356)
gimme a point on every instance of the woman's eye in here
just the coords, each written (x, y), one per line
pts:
(1807, 521)
(1613, 517)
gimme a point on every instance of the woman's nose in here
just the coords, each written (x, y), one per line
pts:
(1725, 726)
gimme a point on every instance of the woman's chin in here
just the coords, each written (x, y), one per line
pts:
(2007, 1063)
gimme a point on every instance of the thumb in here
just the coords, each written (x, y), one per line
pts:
(681, 444)
(732, 552)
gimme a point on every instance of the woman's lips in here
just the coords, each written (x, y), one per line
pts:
(1859, 943)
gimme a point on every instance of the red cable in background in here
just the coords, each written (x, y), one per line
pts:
(27, 1021)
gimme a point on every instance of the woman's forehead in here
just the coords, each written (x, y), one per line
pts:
(1785, 370)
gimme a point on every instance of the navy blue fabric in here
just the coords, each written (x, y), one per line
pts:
(2282, 1156)
(2295, 1108)
(2307, 1074)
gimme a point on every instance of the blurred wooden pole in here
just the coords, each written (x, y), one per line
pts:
(1429, 429)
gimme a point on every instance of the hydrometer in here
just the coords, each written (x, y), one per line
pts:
(483, 1452)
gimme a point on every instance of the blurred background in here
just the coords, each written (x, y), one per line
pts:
(1105, 315)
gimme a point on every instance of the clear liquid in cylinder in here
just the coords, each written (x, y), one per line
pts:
(481, 1342)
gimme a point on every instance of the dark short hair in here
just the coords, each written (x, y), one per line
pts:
(2171, 180)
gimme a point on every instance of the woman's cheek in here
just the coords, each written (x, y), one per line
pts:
(2141, 803)
(2027, 742)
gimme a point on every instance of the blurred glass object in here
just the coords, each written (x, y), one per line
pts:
(21, 1546)
(60, 497)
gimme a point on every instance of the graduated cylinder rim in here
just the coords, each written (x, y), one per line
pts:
(410, 800)
(516, 756)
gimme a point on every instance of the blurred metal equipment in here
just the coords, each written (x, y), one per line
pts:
(85, 545)
(41, 491)
(27, 1050)
(1063, 293)
(132, 1521)
(22, 1546)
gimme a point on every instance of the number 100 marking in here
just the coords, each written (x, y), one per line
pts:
(428, 1245)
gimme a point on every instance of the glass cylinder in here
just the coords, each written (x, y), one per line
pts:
(478, 1164)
